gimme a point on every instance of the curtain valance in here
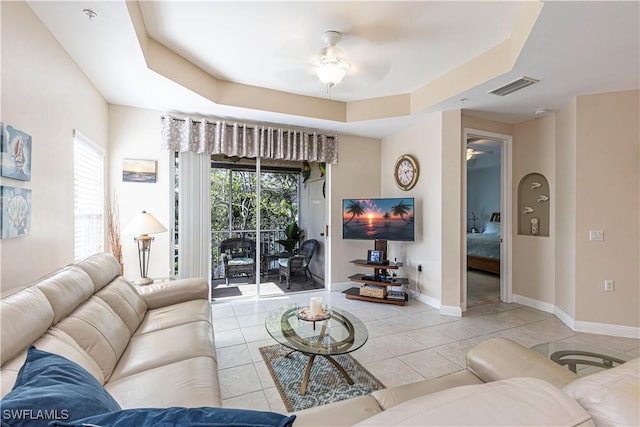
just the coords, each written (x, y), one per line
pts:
(238, 139)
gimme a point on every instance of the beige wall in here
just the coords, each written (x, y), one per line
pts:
(134, 133)
(357, 175)
(452, 223)
(533, 257)
(607, 198)
(565, 213)
(424, 143)
(45, 94)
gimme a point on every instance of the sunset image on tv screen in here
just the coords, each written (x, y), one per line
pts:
(378, 219)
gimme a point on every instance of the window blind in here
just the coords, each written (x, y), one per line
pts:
(88, 199)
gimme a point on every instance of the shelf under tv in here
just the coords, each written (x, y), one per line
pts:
(354, 293)
(375, 280)
(394, 281)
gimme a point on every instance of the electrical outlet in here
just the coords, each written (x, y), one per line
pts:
(609, 285)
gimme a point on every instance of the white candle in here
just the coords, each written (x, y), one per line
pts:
(315, 306)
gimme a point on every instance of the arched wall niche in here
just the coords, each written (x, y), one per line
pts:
(533, 205)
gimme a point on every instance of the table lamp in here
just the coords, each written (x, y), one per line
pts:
(143, 225)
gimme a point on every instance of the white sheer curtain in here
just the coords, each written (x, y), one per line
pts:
(238, 139)
(194, 211)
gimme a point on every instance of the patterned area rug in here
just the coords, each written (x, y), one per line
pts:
(325, 385)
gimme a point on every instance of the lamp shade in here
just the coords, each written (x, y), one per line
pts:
(144, 223)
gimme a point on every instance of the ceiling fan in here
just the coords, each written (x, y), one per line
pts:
(479, 146)
(473, 153)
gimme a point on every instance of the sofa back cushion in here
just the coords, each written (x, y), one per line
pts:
(125, 301)
(102, 268)
(57, 342)
(99, 331)
(612, 396)
(66, 290)
(25, 316)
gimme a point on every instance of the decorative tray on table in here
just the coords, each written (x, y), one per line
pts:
(305, 314)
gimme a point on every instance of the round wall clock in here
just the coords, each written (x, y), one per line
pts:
(406, 172)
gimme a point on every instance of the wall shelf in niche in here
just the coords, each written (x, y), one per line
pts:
(533, 205)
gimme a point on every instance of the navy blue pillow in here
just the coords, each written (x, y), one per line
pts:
(184, 417)
(51, 387)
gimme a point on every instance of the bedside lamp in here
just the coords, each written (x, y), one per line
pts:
(143, 225)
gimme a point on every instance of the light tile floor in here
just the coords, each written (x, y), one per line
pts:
(406, 343)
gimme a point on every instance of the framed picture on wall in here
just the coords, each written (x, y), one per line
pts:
(137, 170)
(15, 152)
(16, 211)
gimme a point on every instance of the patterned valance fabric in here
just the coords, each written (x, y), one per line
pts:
(237, 139)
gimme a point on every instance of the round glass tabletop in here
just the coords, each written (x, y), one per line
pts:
(340, 333)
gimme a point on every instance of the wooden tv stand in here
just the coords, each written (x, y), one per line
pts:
(378, 278)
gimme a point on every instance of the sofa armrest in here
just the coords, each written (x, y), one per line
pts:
(389, 397)
(500, 358)
(173, 292)
(341, 413)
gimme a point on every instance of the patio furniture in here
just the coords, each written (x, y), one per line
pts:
(238, 256)
(298, 262)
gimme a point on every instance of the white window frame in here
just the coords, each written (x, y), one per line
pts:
(88, 197)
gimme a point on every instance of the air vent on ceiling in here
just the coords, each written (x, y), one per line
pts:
(515, 85)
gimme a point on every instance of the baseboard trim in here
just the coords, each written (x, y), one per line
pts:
(607, 329)
(534, 303)
(430, 301)
(449, 310)
(580, 325)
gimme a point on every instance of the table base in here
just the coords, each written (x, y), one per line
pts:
(307, 371)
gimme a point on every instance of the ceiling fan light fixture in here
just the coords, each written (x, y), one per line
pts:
(331, 67)
(470, 153)
(331, 70)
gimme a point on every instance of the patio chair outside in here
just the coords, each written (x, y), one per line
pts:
(238, 257)
(298, 262)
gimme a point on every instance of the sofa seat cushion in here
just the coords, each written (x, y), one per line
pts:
(189, 383)
(513, 402)
(612, 396)
(240, 261)
(174, 315)
(165, 346)
(213, 417)
(52, 387)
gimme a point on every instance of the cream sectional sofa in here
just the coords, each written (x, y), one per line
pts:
(150, 346)
(505, 384)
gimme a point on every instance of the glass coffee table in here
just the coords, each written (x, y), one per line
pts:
(331, 333)
(574, 354)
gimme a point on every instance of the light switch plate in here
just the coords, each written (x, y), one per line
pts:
(596, 235)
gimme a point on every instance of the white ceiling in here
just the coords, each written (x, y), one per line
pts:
(394, 47)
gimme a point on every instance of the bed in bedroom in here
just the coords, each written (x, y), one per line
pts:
(483, 249)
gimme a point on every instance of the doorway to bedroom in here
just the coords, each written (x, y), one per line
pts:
(487, 183)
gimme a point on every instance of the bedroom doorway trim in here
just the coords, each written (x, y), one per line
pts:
(506, 172)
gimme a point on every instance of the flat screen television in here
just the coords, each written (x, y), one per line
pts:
(389, 218)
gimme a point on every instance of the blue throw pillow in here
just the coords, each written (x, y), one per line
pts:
(51, 387)
(184, 417)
